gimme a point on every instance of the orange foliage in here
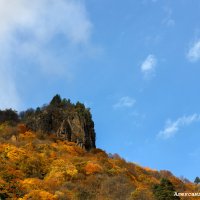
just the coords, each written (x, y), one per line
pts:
(50, 169)
(149, 169)
(52, 155)
(92, 168)
(21, 128)
(28, 135)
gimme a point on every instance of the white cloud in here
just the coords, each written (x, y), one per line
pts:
(125, 102)
(172, 127)
(193, 54)
(168, 20)
(28, 30)
(148, 66)
(42, 19)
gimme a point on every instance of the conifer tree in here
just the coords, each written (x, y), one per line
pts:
(164, 191)
(197, 180)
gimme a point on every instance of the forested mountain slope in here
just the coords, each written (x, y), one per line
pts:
(39, 160)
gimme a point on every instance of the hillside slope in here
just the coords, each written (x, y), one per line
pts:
(36, 167)
(68, 121)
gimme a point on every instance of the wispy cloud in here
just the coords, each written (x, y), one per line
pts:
(168, 20)
(172, 127)
(193, 54)
(125, 102)
(148, 66)
(29, 32)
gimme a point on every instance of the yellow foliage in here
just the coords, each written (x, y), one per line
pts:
(30, 184)
(35, 165)
(64, 166)
(67, 149)
(73, 150)
(2, 126)
(92, 168)
(60, 170)
(16, 154)
(39, 195)
(5, 148)
(12, 152)
(58, 166)
(55, 178)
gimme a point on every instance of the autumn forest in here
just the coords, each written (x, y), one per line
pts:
(50, 153)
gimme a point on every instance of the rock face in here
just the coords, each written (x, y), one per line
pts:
(77, 130)
(71, 122)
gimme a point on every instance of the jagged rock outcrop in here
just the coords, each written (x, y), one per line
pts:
(77, 130)
(67, 121)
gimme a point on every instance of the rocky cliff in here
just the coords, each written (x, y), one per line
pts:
(71, 122)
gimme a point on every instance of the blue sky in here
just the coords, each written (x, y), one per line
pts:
(136, 64)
